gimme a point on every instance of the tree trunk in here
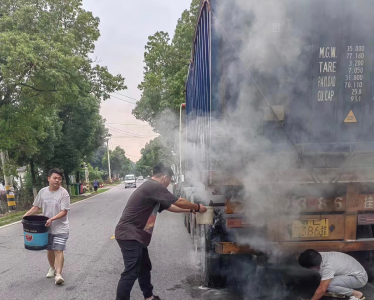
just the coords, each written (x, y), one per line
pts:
(32, 170)
(67, 182)
(8, 182)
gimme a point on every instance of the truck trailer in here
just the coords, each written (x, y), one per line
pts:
(279, 131)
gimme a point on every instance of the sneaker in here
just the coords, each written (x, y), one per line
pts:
(156, 298)
(59, 279)
(51, 273)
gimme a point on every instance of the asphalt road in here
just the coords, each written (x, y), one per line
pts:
(93, 261)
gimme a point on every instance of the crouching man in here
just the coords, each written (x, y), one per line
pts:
(340, 273)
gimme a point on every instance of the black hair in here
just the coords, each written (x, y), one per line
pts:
(310, 258)
(160, 169)
(56, 171)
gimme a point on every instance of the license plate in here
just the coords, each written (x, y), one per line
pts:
(310, 228)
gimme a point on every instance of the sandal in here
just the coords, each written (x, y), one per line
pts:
(333, 295)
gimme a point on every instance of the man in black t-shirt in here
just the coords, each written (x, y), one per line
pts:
(134, 230)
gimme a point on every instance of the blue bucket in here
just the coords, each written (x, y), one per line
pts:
(35, 232)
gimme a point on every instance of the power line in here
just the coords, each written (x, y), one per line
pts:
(132, 137)
(140, 147)
(127, 132)
(132, 155)
(109, 146)
(127, 124)
(126, 96)
(123, 100)
(123, 131)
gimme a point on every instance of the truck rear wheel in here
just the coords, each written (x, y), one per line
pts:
(210, 263)
(188, 220)
(365, 258)
(367, 261)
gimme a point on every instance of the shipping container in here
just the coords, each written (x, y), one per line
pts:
(285, 87)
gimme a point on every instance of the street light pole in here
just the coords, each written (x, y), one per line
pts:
(110, 175)
(180, 140)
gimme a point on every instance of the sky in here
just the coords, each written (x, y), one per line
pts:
(124, 27)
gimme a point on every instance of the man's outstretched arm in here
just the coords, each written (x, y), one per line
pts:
(185, 204)
(176, 209)
(321, 290)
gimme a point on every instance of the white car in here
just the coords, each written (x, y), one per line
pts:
(130, 181)
(139, 181)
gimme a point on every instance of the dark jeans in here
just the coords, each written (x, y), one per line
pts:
(137, 266)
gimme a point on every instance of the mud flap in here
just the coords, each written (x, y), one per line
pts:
(240, 270)
(212, 276)
(212, 264)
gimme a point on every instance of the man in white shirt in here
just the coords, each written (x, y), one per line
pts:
(55, 202)
(340, 273)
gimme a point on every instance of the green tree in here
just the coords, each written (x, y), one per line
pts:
(165, 74)
(119, 163)
(153, 153)
(153, 99)
(97, 157)
(166, 67)
(83, 131)
(46, 77)
(75, 132)
(44, 58)
(44, 51)
(94, 173)
(34, 129)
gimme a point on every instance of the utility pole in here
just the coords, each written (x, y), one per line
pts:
(110, 175)
(86, 173)
(10, 197)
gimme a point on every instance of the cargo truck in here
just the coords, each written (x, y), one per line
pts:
(317, 119)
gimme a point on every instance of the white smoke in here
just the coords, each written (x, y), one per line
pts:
(265, 57)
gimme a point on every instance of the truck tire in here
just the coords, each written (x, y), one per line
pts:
(367, 261)
(210, 262)
(186, 218)
(193, 226)
(188, 223)
(365, 258)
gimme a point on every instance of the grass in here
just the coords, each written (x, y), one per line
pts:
(78, 198)
(12, 217)
(112, 184)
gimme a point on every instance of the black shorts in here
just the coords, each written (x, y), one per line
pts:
(95, 188)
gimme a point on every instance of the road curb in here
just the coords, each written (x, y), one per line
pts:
(94, 196)
(10, 224)
(70, 205)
